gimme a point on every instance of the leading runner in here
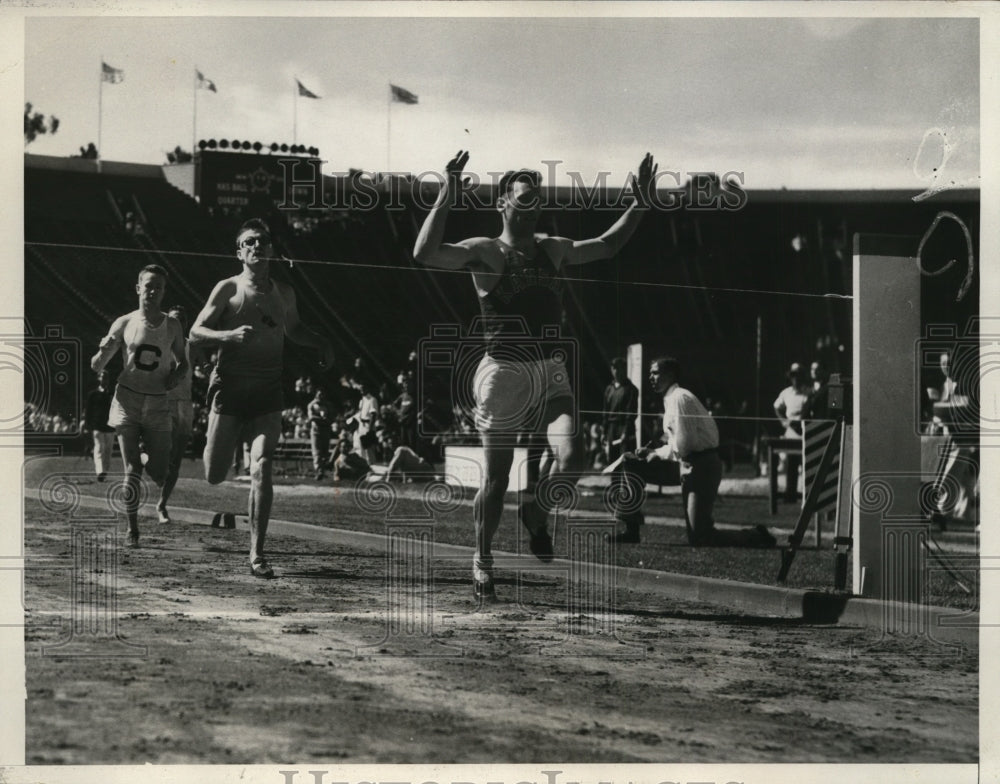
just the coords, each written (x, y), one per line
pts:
(519, 277)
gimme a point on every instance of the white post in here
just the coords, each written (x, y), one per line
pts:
(756, 397)
(634, 371)
(886, 450)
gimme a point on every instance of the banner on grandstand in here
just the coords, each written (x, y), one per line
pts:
(815, 436)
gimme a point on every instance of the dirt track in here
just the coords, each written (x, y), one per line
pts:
(300, 668)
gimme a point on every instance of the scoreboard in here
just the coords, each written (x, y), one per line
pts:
(249, 181)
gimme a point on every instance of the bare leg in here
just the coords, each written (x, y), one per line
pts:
(157, 444)
(488, 505)
(264, 434)
(393, 466)
(529, 512)
(178, 445)
(220, 445)
(566, 446)
(128, 442)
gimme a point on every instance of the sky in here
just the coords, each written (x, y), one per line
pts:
(788, 102)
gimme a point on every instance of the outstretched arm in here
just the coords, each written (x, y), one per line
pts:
(429, 249)
(614, 239)
(109, 345)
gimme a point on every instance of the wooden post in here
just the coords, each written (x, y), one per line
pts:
(886, 448)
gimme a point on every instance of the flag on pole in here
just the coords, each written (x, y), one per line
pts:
(402, 96)
(304, 91)
(109, 74)
(203, 83)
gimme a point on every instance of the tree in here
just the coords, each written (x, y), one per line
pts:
(89, 152)
(179, 156)
(35, 124)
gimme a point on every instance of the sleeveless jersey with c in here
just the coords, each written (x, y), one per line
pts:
(147, 355)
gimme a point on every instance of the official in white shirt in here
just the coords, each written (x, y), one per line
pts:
(691, 439)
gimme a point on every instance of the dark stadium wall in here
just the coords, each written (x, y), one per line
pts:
(691, 283)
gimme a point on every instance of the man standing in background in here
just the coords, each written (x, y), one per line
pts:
(621, 406)
(96, 418)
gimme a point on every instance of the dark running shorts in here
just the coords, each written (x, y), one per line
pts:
(244, 398)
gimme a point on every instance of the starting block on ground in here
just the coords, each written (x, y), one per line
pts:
(223, 520)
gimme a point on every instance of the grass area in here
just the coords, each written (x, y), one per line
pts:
(664, 546)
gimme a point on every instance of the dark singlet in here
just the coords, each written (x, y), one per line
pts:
(260, 358)
(529, 290)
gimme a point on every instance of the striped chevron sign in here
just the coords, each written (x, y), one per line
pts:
(815, 436)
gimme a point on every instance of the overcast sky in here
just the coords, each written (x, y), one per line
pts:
(800, 103)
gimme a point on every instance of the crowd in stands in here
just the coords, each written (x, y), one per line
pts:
(361, 417)
(38, 421)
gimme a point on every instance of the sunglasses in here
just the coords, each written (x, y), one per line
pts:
(252, 241)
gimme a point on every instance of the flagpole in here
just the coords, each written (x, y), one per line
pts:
(388, 132)
(100, 109)
(295, 113)
(194, 122)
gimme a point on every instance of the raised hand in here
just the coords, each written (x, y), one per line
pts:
(456, 165)
(645, 181)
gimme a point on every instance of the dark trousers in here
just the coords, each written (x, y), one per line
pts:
(700, 477)
(615, 431)
(700, 480)
(793, 462)
(320, 443)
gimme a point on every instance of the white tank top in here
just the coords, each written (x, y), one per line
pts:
(147, 355)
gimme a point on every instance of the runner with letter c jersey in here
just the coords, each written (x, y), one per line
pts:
(146, 353)
(152, 346)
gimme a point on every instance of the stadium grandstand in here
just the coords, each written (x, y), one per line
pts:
(712, 275)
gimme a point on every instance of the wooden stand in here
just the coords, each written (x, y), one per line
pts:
(835, 444)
